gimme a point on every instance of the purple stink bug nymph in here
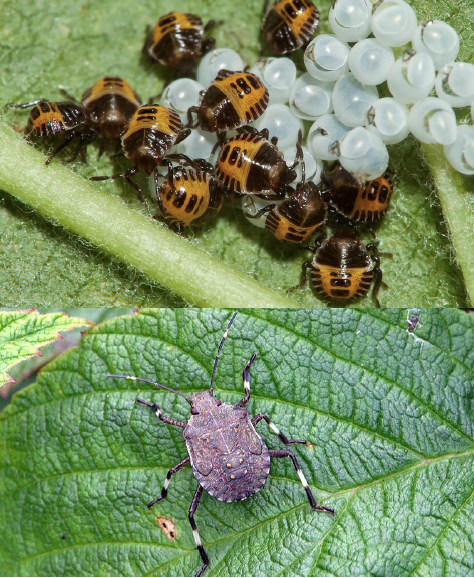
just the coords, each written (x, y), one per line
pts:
(228, 457)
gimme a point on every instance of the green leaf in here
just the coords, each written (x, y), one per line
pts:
(389, 416)
(22, 333)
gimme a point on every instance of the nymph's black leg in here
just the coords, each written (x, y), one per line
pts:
(129, 173)
(134, 185)
(259, 213)
(246, 379)
(164, 491)
(197, 537)
(85, 138)
(207, 45)
(274, 428)
(182, 135)
(191, 123)
(60, 147)
(126, 175)
(80, 146)
(157, 187)
(67, 94)
(157, 410)
(375, 255)
(312, 501)
(211, 24)
(201, 164)
(221, 139)
(148, 41)
(304, 267)
(300, 158)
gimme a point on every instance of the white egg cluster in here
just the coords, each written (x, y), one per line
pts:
(366, 124)
(339, 95)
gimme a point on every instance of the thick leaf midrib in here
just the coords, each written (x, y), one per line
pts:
(188, 551)
(425, 462)
(339, 419)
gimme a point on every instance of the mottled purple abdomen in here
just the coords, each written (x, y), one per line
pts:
(229, 459)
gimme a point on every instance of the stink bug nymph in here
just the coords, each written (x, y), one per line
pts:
(289, 24)
(228, 457)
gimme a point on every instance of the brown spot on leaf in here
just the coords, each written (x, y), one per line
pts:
(310, 446)
(168, 527)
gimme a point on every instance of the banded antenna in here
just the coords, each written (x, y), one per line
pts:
(152, 383)
(211, 390)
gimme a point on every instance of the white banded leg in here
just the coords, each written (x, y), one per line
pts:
(246, 380)
(164, 491)
(312, 501)
(159, 414)
(197, 537)
(274, 428)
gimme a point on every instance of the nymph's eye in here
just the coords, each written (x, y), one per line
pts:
(194, 411)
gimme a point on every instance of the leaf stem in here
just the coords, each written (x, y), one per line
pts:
(107, 222)
(458, 209)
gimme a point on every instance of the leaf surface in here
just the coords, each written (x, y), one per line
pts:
(74, 43)
(389, 417)
(23, 333)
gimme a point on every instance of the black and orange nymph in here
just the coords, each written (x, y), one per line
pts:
(289, 25)
(148, 137)
(233, 100)
(299, 215)
(250, 164)
(360, 202)
(189, 196)
(343, 268)
(111, 102)
(66, 119)
(177, 40)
